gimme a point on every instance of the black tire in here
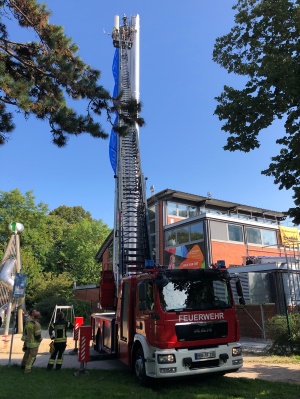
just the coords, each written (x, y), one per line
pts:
(139, 367)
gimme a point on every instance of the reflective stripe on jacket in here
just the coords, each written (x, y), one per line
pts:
(59, 330)
(25, 331)
(32, 334)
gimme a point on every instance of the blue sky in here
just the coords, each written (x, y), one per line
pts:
(182, 142)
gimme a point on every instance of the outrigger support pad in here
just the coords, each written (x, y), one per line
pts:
(81, 371)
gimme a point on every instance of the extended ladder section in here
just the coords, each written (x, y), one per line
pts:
(132, 238)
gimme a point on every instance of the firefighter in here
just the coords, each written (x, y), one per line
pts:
(32, 337)
(58, 332)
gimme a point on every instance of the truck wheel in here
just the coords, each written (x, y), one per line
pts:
(139, 367)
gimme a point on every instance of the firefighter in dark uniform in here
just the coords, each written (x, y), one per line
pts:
(58, 332)
(32, 338)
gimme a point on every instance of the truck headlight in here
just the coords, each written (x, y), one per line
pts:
(166, 359)
(237, 351)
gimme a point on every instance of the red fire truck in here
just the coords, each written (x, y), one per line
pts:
(162, 323)
(171, 323)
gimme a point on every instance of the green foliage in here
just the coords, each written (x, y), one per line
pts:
(57, 248)
(43, 234)
(285, 334)
(82, 309)
(81, 246)
(40, 77)
(264, 46)
(22, 208)
(47, 305)
(71, 214)
(49, 283)
(42, 286)
(57, 231)
(32, 268)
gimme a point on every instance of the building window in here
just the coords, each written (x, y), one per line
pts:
(269, 237)
(183, 235)
(151, 213)
(233, 214)
(192, 211)
(172, 208)
(235, 233)
(244, 216)
(152, 227)
(152, 238)
(170, 238)
(253, 236)
(196, 231)
(182, 211)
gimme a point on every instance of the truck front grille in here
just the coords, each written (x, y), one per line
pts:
(198, 331)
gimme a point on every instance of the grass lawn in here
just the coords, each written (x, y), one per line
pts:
(119, 384)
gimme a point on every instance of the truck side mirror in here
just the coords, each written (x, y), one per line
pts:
(242, 301)
(239, 290)
(161, 280)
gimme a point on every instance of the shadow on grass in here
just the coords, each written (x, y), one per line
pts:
(122, 384)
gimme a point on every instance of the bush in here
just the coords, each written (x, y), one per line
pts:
(285, 340)
(47, 306)
(82, 308)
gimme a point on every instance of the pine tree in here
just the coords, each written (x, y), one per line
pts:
(40, 77)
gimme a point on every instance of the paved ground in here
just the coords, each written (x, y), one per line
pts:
(254, 366)
(260, 368)
(11, 353)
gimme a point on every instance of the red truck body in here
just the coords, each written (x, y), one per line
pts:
(159, 334)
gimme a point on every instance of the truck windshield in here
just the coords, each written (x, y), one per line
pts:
(195, 293)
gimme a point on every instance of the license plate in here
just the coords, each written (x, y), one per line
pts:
(205, 355)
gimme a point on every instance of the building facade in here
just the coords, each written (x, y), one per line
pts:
(191, 231)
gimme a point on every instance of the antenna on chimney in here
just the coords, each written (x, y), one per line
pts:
(209, 194)
(152, 189)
